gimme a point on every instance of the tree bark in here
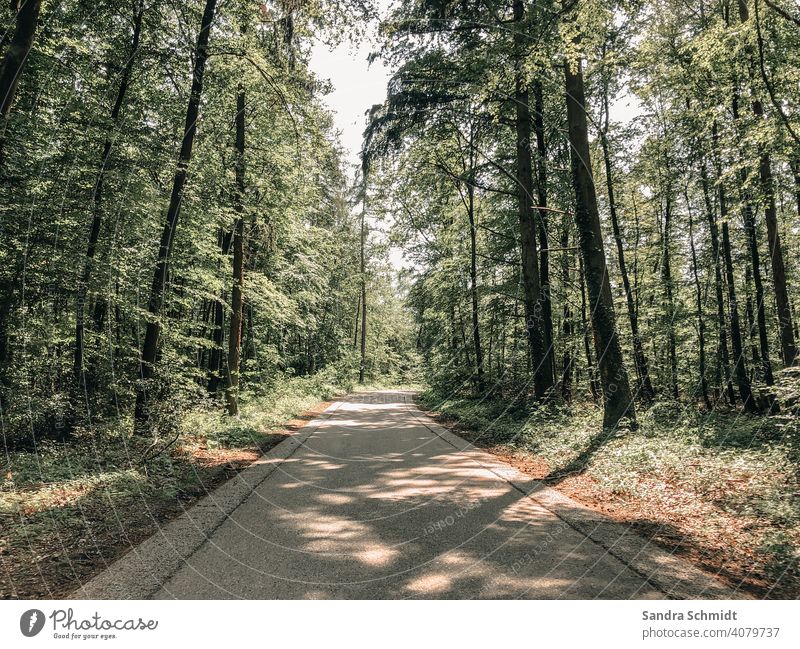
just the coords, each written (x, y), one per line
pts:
(156, 301)
(701, 321)
(588, 336)
(237, 292)
(767, 185)
(473, 277)
(640, 359)
(363, 267)
(739, 361)
(666, 278)
(566, 318)
(215, 362)
(755, 260)
(534, 323)
(722, 345)
(544, 245)
(14, 61)
(617, 398)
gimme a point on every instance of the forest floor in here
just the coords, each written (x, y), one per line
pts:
(720, 489)
(68, 510)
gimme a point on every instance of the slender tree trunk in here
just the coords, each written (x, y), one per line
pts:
(14, 60)
(761, 317)
(473, 277)
(795, 164)
(355, 324)
(646, 387)
(767, 184)
(215, 360)
(588, 335)
(701, 322)
(363, 268)
(666, 277)
(237, 292)
(722, 345)
(617, 397)
(751, 320)
(784, 309)
(739, 361)
(748, 215)
(740, 365)
(566, 327)
(97, 197)
(544, 245)
(156, 302)
(534, 324)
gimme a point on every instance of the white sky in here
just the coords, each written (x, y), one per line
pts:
(357, 85)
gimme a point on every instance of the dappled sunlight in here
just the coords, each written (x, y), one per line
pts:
(334, 499)
(377, 556)
(430, 584)
(397, 515)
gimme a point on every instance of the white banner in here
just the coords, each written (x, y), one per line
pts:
(379, 625)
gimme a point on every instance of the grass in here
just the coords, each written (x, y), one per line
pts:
(66, 510)
(721, 488)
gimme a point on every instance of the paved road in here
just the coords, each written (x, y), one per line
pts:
(374, 500)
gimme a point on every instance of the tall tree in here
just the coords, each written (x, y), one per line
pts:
(534, 320)
(362, 365)
(646, 391)
(237, 292)
(617, 398)
(156, 302)
(767, 186)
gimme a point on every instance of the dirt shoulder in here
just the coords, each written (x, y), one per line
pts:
(676, 515)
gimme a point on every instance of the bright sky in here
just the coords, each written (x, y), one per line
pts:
(357, 86)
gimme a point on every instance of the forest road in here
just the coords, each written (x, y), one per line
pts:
(374, 500)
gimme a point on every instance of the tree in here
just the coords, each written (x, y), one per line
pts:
(156, 301)
(617, 398)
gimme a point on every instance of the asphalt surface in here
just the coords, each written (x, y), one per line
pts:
(374, 500)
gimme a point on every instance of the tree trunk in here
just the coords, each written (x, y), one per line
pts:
(237, 292)
(363, 267)
(666, 278)
(588, 336)
(473, 278)
(748, 215)
(544, 245)
(617, 398)
(701, 322)
(14, 60)
(355, 323)
(751, 320)
(156, 302)
(215, 361)
(97, 198)
(739, 361)
(645, 385)
(767, 184)
(534, 324)
(761, 317)
(722, 345)
(566, 326)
